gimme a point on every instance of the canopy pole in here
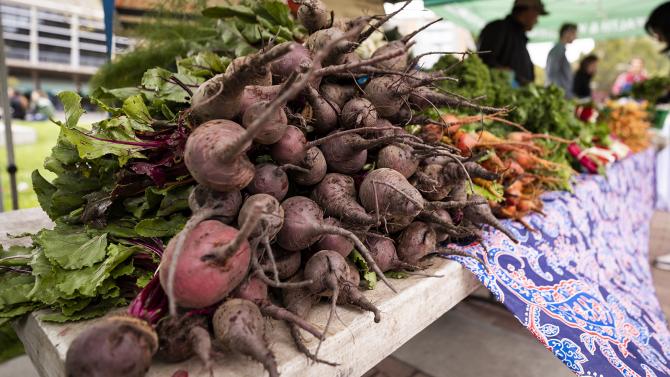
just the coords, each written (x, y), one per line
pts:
(7, 117)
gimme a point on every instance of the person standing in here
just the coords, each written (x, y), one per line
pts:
(581, 87)
(625, 81)
(559, 71)
(504, 41)
(658, 25)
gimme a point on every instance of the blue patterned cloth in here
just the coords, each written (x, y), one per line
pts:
(581, 283)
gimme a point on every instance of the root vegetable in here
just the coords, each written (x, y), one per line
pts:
(314, 15)
(207, 156)
(324, 114)
(197, 283)
(358, 112)
(336, 194)
(290, 149)
(269, 179)
(337, 94)
(182, 338)
(384, 252)
(272, 215)
(205, 203)
(348, 153)
(480, 213)
(398, 157)
(239, 325)
(334, 242)
(113, 347)
(415, 242)
(316, 166)
(387, 192)
(329, 272)
(286, 65)
(254, 290)
(274, 127)
(441, 233)
(386, 94)
(262, 77)
(220, 96)
(286, 262)
(304, 225)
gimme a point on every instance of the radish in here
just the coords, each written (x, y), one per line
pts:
(114, 347)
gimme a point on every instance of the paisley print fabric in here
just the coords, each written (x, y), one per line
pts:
(581, 282)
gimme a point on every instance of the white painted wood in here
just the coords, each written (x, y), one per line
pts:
(354, 341)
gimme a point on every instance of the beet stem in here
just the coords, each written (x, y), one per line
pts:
(406, 38)
(338, 134)
(333, 69)
(367, 33)
(221, 254)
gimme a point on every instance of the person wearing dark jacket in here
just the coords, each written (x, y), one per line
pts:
(581, 86)
(505, 40)
(658, 25)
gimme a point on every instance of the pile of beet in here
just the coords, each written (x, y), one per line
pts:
(301, 157)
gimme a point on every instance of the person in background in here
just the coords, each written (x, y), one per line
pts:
(581, 86)
(41, 107)
(18, 104)
(559, 71)
(658, 25)
(634, 74)
(505, 40)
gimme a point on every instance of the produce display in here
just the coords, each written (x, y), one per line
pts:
(287, 168)
(629, 122)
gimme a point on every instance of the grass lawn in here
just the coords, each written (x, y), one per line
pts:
(28, 158)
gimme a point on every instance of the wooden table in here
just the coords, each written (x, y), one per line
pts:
(355, 342)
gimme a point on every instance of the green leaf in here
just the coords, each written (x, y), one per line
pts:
(119, 94)
(72, 105)
(90, 148)
(135, 109)
(15, 288)
(10, 345)
(72, 248)
(91, 311)
(174, 201)
(369, 277)
(86, 281)
(278, 11)
(160, 227)
(158, 80)
(227, 11)
(44, 191)
(124, 228)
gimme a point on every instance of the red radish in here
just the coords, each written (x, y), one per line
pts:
(220, 96)
(254, 290)
(286, 262)
(239, 325)
(113, 347)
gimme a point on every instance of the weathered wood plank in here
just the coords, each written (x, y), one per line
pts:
(354, 341)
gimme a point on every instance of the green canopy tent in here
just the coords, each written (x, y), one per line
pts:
(597, 19)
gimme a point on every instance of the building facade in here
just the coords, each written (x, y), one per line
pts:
(55, 45)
